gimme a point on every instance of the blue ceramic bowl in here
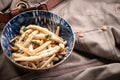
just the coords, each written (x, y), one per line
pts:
(37, 17)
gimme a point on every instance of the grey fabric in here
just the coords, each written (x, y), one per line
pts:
(4, 4)
(88, 18)
(97, 49)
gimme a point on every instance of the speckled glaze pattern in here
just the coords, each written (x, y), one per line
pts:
(41, 18)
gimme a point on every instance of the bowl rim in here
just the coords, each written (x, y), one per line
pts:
(38, 69)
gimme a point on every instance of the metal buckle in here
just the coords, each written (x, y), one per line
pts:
(42, 5)
(21, 5)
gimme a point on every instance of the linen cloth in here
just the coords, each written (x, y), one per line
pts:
(96, 55)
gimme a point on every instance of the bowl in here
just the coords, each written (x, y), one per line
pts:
(44, 19)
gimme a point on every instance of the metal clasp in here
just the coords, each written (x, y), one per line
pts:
(42, 5)
(21, 5)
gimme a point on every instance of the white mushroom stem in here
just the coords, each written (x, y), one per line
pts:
(56, 37)
(39, 57)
